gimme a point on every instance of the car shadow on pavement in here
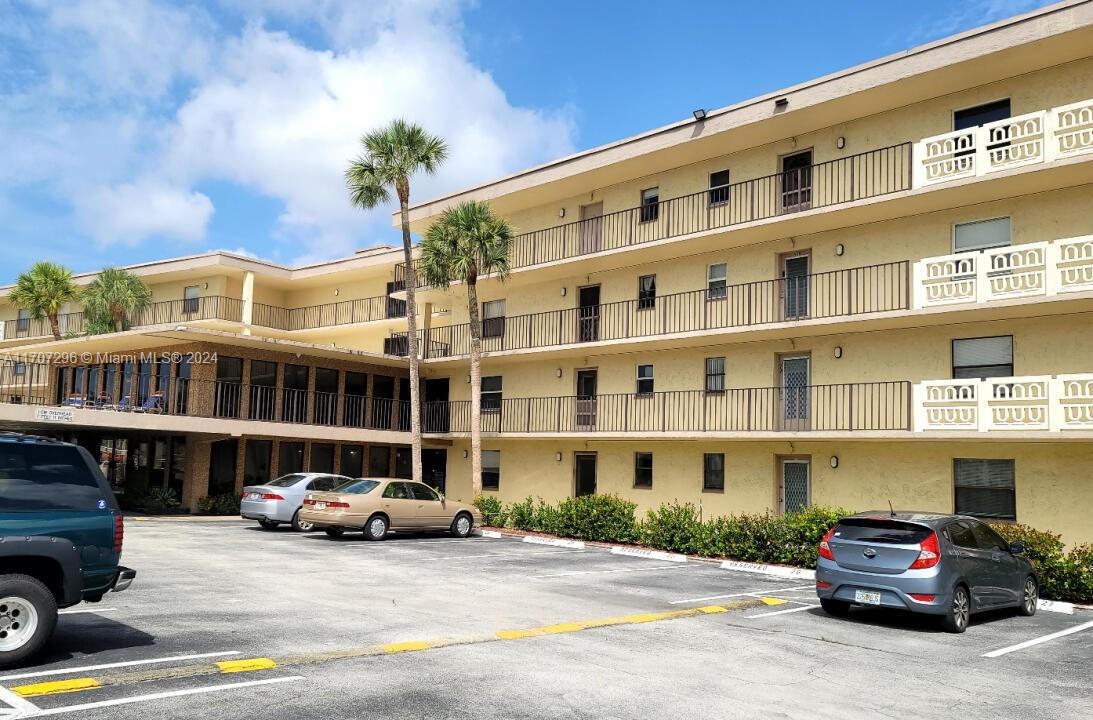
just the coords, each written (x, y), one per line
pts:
(89, 634)
(911, 622)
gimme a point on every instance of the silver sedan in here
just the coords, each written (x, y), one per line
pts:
(279, 501)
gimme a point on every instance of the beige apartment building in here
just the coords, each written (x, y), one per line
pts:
(872, 287)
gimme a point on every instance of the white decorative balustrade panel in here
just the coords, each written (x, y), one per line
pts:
(1075, 402)
(1074, 264)
(1072, 129)
(947, 279)
(1013, 142)
(1016, 403)
(1054, 404)
(946, 405)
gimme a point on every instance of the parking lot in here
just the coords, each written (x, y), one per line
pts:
(237, 622)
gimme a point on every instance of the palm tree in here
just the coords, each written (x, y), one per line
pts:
(467, 242)
(391, 155)
(43, 290)
(111, 299)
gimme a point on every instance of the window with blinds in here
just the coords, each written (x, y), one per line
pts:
(985, 488)
(983, 357)
(981, 235)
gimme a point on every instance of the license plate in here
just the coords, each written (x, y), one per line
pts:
(868, 598)
(320, 506)
(253, 496)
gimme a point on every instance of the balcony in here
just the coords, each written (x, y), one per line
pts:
(854, 291)
(1055, 404)
(347, 312)
(856, 407)
(1040, 269)
(1038, 137)
(855, 177)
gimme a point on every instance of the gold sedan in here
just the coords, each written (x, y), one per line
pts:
(378, 505)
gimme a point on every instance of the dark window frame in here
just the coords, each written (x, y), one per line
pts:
(710, 375)
(713, 474)
(643, 470)
(717, 289)
(647, 296)
(491, 475)
(650, 204)
(643, 380)
(719, 191)
(960, 503)
(495, 397)
(968, 368)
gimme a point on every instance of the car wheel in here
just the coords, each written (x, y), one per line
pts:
(956, 619)
(1030, 596)
(376, 529)
(333, 532)
(462, 525)
(838, 608)
(301, 525)
(268, 524)
(28, 616)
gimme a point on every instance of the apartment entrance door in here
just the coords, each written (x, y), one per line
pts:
(795, 282)
(584, 471)
(797, 181)
(795, 387)
(591, 228)
(588, 314)
(586, 399)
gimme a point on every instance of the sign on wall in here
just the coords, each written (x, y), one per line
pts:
(53, 414)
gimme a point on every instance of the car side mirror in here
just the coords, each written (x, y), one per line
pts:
(1017, 547)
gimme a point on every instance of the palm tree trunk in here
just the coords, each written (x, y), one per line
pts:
(54, 326)
(119, 319)
(411, 337)
(476, 388)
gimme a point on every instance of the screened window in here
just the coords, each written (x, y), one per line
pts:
(647, 291)
(713, 471)
(983, 357)
(715, 375)
(491, 393)
(716, 281)
(650, 204)
(719, 187)
(491, 469)
(985, 488)
(643, 470)
(645, 380)
(981, 235)
(493, 319)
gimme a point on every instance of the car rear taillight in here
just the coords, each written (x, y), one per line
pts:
(271, 496)
(337, 504)
(922, 598)
(309, 501)
(119, 532)
(821, 585)
(825, 546)
(929, 553)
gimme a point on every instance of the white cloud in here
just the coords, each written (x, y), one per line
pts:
(130, 212)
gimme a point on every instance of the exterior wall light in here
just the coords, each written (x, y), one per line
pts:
(558, 372)
(834, 461)
(700, 114)
(563, 292)
(781, 104)
(839, 249)
(337, 292)
(206, 286)
(840, 142)
(561, 212)
(464, 454)
(557, 457)
(838, 351)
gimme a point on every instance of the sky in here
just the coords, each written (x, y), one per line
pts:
(133, 130)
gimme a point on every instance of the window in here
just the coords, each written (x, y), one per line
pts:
(352, 460)
(650, 204)
(960, 534)
(715, 375)
(981, 234)
(424, 492)
(404, 463)
(713, 471)
(491, 393)
(379, 461)
(983, 357)
(716, 281)
(290, 458)
(191, 300)
(22, 324)
(719, 187)
(325, 483)
(491, 469)
(20, 369)
(493, 319)
(398, 491)
(645, 379)
(47, 477)
(647, 292)
(223, 455)
(986, 538)
(322, 457)
(256, 459)
(985, 488)
(643, 470)
(981, 114)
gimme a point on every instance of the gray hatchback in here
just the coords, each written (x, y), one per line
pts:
(945, 565)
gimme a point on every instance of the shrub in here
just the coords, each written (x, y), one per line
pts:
(521, 515)
(674, 527)
(605, 518)
(226, 504)
(158, 500)
(493, 512)
(1073, 577)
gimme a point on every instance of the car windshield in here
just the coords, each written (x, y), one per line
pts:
(876, 530)
(357, 487)
(286, 480)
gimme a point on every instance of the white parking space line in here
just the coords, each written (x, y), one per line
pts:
(618, 570)
(106, 666)
(741, 594)
(503, 555)
(808, 606)
(22, 707)
(84, 611)
(161, 696)
(1037, 641)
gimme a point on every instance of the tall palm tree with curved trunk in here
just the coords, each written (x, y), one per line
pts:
(467, 242)
(43, 290)
(391, 156)
(112, 299)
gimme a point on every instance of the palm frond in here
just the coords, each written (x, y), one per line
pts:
(43, 289)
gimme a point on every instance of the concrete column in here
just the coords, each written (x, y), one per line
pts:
(248, 300)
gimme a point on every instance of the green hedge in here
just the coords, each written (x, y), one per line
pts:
(786, 539)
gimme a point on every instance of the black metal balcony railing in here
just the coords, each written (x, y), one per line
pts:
(854, 291)
(345, 312)
(855, 177)
(67, 324)
(209, 307)
(848, 407)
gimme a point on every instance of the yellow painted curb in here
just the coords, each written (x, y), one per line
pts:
(234, 666)
(772, 601)
(56, 687)
(410, 646)
(607, 622)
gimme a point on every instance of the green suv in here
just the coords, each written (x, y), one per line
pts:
(60, 539)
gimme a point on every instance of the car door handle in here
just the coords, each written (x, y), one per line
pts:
(963, 554)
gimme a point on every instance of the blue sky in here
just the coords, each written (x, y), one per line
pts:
(141, 129)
